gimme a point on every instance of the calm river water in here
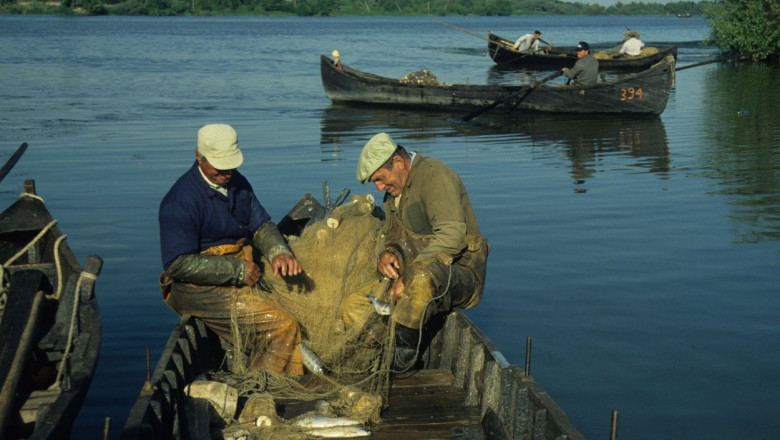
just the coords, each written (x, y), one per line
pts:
(642, 256)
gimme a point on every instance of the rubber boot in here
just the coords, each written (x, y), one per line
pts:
(405, 348)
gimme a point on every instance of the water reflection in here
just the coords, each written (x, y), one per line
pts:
(584, 139)
(588, 139)
(743, 130)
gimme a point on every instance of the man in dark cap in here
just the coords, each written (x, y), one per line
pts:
(433, 249)
(586, 70)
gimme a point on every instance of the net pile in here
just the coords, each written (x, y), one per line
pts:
(421, 77)
(338, 254)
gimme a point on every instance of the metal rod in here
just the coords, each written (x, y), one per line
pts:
(65, 385)
(148, 365)
(528, 356)
(107, 428)
(614, 425)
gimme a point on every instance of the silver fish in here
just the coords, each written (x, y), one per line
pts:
(340, 432)
(311, 360)
(317, 421)
(381, 307)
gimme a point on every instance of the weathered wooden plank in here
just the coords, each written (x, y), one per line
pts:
(423, 378)
(29, 410)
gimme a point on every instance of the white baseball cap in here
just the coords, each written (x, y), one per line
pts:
(218, 143)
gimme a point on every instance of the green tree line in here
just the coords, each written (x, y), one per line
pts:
(346, 7)
(738, 26)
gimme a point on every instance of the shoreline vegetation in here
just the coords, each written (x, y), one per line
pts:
(344, 8)
(748, 27)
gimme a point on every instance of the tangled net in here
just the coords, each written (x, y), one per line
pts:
(338, 253)
(603, 55)
(421, 77)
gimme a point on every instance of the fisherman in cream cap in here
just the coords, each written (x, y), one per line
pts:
(433, 247)
(375, 153)
(218, 143)
(211, 226)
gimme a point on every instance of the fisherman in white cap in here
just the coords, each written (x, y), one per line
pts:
(433, 249)
(210, 223)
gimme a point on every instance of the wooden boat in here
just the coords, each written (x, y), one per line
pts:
(465, 387)
(645, 92)
(50, 324)
(500, 50)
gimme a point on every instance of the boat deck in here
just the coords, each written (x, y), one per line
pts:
(427, 405)
(423, 404)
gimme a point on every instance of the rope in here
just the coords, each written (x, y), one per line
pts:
(24, 249)
(72, 329)
(58, 294)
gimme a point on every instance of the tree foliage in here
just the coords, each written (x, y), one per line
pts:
(747, 26)
(350, 7)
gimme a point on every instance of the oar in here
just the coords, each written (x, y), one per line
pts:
(509, 46)
(717, 60)
(12, 160)
(522, 95)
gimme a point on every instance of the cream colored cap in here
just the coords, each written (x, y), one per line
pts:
(218, 143)
(375, 153)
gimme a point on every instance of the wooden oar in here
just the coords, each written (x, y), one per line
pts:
(523, 93)
(507, 45)
(717, 60)
(499, 42)
(12, 160)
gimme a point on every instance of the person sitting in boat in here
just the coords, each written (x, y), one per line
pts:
(211, 224)
(433, 248)
(336, 59)
(632, 46)
(586, 70)
(528, 43)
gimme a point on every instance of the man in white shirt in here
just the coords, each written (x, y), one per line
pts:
(633, 46)
(528, 42)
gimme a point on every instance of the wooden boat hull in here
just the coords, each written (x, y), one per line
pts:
(558, 57)
(482, 392)
(645, 92)
(50, 344)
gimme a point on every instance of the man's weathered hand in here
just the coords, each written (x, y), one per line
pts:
(286, 265)
(397, 290)
(252, 273)
(389, 265)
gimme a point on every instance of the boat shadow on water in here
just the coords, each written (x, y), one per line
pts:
(583, 139)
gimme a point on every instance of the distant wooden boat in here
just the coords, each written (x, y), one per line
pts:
(645, 92)
(555, 58)
(465, 388)
(50, 324)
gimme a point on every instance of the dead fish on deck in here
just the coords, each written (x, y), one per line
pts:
(311, 360)
(381, 307)
(340, 432)
(321, 421)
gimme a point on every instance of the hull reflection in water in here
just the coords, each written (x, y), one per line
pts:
(585, 139)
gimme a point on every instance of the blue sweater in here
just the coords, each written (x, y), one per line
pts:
(194, 217)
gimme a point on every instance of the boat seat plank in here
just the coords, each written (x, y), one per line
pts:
(37, 399)
(426, 405)
(423, 378)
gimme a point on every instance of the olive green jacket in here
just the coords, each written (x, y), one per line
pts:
(434, 202)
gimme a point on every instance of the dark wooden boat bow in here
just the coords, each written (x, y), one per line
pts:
(50, 325)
